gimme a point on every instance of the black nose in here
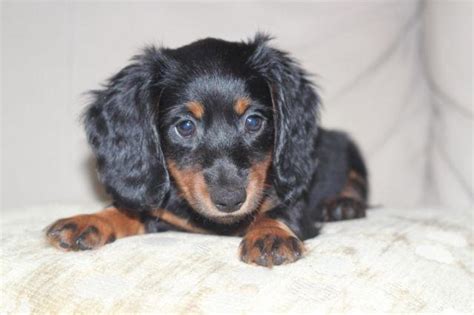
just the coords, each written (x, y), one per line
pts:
(228, 199)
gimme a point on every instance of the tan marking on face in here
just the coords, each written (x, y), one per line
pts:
(193, 187)
(255, 188)
(241, 105)
(188, 180)
(196, 109)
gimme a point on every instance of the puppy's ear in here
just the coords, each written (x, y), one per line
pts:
(121, 129)
(296, 107)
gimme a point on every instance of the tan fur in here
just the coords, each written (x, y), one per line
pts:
(108, 224)
(241, 105)
(192, 184)
(350, 189)
(178, 222)
(196, 109)
(258, 245)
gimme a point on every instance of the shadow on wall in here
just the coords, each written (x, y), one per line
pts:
(90, 167)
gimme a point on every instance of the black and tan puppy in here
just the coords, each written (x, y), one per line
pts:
(217, 137)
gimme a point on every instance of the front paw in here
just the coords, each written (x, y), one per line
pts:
(81, 232)
(268, 249)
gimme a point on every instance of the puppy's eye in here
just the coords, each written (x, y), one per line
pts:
(253, 123)
(186, 128)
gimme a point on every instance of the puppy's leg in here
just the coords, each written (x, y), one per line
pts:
(350, 203)
(269, 242)
(341, 189)
(90, 231)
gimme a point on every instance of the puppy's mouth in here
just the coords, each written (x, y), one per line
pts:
(194, 189)
(251, 204)
(203, 204)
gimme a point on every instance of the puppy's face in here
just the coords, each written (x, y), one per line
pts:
(208, 118)
(217, 137)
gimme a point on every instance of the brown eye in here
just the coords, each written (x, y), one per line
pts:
(253, 123)
(186, 128)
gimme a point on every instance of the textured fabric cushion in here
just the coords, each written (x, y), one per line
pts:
(396, 260)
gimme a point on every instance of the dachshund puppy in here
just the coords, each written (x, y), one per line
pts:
(217, 137)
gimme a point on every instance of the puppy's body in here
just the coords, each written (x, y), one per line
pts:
(217, 137)
(336, 156)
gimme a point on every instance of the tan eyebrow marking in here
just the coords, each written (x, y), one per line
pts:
(241, 105)
(196, 108)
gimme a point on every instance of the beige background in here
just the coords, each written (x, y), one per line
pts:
(396, 74)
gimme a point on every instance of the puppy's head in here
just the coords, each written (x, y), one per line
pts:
(217, 131)
(215, 118)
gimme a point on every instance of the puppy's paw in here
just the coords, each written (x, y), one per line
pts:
(268, 248)
(80, 232)
(343, 208)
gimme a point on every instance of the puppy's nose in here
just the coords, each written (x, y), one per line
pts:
(228, 199)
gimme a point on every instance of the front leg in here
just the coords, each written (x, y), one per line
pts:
(90, 231)
(270, 242)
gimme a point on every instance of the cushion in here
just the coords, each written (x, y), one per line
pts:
(397, 260)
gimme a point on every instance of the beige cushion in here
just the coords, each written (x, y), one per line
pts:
(396, 260)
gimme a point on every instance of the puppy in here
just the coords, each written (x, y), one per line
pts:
(217, 137)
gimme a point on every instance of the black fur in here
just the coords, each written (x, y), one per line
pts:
(121, 132)
(296, 106)
(130, 126)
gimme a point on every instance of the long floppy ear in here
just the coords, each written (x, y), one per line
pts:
(120, 126)
(296, 107)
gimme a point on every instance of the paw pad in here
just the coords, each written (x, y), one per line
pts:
(79, 233)
(270, 249)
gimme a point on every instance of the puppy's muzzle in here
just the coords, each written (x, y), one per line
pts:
(228, 199)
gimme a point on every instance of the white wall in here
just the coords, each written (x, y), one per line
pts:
(366, 56)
